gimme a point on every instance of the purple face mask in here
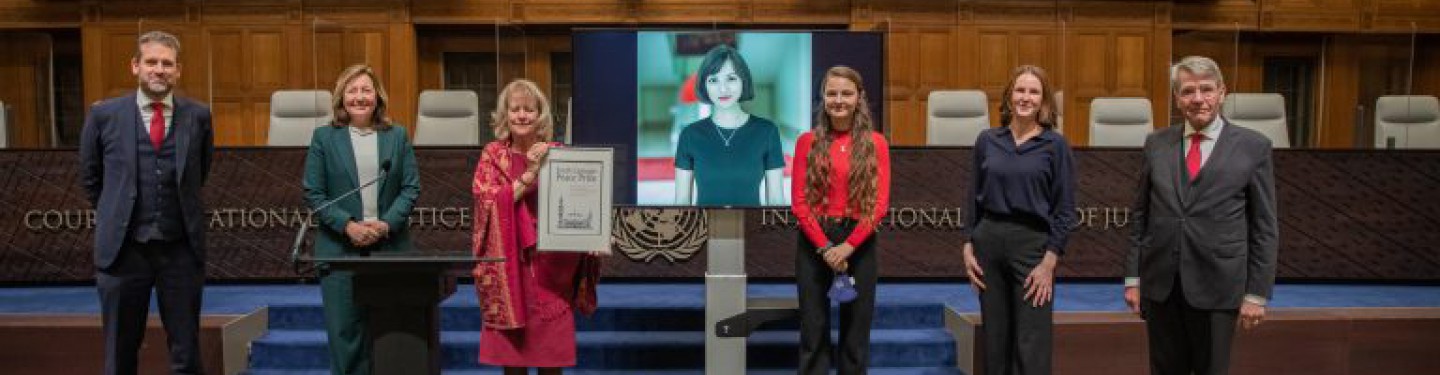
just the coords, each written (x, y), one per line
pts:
(842, 290)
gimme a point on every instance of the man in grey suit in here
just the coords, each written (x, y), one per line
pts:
(1205, 239)
(144, 158)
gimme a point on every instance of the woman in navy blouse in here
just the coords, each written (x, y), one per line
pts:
(1022, 207)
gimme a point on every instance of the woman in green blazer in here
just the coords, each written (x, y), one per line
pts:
(356, 148)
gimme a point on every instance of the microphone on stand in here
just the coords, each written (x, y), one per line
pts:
(310, 215)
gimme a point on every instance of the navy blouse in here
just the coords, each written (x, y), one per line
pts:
(1036, 178)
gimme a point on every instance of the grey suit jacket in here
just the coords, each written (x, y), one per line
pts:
(1217, 232)
(108, 169)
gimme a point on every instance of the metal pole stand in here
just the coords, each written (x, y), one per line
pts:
(724, 290)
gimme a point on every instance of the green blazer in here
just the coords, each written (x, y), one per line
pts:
(330, 172)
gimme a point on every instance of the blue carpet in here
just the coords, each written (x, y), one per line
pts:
(657, 328)
(1073, 296)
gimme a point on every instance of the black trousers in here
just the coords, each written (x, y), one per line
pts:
(177, 277)
(1017, 336)
(813, 278)
(1185, 340)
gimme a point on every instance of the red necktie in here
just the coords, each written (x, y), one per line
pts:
(1192, 158)
(157, 124)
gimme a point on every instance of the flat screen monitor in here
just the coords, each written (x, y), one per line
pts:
(709, 118)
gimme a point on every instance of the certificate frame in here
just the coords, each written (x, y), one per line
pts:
(576, 199)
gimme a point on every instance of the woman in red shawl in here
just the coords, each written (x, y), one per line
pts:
(526, 301)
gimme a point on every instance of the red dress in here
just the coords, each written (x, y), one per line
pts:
(527, 301)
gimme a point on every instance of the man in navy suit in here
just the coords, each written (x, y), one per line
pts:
(1203, 249)
(144, 157)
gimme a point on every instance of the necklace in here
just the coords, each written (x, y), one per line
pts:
(362, 131)
(725, 138)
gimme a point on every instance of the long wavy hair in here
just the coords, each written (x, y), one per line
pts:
(864, 186)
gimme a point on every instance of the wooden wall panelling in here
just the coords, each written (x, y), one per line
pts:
(140, 10)
(1110, 64)
(23, 14)
(1340, 94)
(25, 70)
(1311, 15)
(459, 12)
(1427, 73)
(919, 59)
(805, 12)
(1216, 15)
(1089, 71)
(404, 87)
(1307, 15)
(1000, 49)
(1113, 50)
(1403, 16)
(605, 11)
(520, 57)
(1357, 70)
(923, 50)
(376, 33)
(676, 11)
(249, 64)
(229, 105)
(109, 47)
(1159, 63)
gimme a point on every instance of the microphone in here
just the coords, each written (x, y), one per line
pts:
(310, 215)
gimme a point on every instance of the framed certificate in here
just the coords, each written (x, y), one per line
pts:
(575, 199)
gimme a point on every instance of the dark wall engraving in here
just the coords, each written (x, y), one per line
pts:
(1345, 214)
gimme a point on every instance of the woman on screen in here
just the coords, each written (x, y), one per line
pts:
(1020, 210)
(724, 157)
(352, 151)
(527, 301)
(841, 190)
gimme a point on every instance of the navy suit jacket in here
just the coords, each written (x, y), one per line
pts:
(109, 170)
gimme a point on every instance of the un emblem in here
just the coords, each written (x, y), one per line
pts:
(673, 233)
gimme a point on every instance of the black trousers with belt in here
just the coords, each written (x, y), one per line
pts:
(170, 268)
(813, 278)
(1018, 336)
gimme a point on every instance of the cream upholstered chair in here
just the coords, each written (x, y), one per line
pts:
(4, 125)
(1413, 121)
(1262, 112)
(448, 118)
(1120, 122)
(955, 118)
(294, 115)
(1060, 111)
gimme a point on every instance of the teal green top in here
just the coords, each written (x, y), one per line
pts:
(729, 174)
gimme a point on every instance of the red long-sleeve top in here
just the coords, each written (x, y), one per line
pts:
(837, 200)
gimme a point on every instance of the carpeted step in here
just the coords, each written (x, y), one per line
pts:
(305, 349)
(647, 318)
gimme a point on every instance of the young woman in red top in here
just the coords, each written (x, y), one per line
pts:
(841, 190)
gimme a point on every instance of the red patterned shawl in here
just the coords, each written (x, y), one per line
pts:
(498, 284)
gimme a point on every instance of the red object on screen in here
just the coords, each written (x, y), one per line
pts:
(687, 90)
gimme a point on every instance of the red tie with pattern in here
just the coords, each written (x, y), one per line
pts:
(157, 124)
(1192, 158)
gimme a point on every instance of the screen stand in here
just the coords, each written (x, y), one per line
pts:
(724, 290)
